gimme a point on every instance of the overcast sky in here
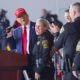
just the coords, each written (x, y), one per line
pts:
(33, 7)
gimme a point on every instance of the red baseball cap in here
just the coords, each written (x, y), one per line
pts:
(20, 11)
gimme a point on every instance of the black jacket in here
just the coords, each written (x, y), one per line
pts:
(69, 38)
(41, 53)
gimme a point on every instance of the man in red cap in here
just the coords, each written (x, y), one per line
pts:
(22, 16)
(25, 37)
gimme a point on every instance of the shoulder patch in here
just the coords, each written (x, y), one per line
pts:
(45, 44)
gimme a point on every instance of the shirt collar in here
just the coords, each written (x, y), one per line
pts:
(27, 26)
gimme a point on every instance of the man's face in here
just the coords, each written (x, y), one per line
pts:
(67, 17)
(23, 19)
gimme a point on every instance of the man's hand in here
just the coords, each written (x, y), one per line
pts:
(37, 76)
(10, 34)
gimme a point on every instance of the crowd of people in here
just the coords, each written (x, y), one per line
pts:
(51, 48)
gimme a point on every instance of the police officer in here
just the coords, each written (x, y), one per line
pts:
(68, 39)
(41, 52)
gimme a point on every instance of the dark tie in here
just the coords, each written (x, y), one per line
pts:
(24, 41)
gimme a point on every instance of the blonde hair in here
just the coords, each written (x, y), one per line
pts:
(44, 22)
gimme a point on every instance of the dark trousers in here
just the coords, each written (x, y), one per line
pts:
(47, 73)
(29, 69)
(69, 76)
(67, 68)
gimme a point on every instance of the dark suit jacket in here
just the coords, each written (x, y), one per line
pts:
(69, 38)
(18, 38)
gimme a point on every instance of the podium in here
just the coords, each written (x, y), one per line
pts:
(11, 65)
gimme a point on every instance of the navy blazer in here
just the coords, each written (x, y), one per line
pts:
(18, 38)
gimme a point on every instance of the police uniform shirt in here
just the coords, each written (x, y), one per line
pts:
(41, 53)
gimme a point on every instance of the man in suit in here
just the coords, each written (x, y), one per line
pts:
(18, 34)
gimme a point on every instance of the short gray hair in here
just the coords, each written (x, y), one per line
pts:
(76, 6)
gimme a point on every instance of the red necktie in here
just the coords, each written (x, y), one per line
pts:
(25, 44)
(24, 41)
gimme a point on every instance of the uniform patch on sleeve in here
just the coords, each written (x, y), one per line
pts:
(45, 44)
